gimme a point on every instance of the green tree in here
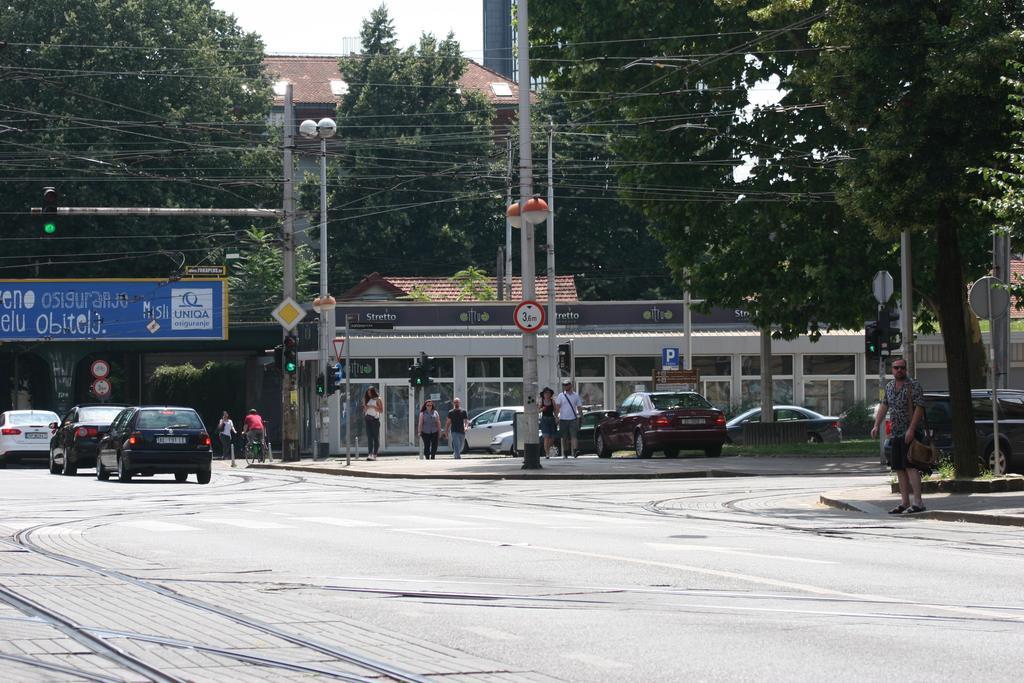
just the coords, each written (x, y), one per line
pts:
(127, 103)
(414, 190)
(919, 91)
(256, 280)
(474, 285)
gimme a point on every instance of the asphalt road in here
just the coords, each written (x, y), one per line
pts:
(266, 575)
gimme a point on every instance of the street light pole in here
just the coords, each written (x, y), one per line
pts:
(324, 303)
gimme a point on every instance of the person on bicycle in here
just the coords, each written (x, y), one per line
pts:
(252, 428)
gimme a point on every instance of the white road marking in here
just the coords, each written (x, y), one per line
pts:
(431, 521)
(249, 523)
(733, 551)
(339, 521)
(54, 530)
(154, 525)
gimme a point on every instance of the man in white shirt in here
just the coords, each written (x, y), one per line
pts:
(568, 405)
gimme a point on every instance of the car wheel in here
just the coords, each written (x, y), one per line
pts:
(814, 437)
(124, 475)
(101, 472)
(181, 477)
(602, 448)
(640, 446)
(69, 469)
(671, 452)
(203, 475)
(54, 467)
(713, 451)
(996, 467)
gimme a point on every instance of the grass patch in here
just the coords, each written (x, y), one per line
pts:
(854, 448)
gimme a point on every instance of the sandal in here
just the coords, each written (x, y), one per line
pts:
(899, 509)
(914, 509)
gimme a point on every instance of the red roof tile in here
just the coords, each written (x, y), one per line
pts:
(311, 77)
(441, 289)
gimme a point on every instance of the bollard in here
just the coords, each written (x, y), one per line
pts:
(233, 454)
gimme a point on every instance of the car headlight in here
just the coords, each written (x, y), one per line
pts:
(496, 441)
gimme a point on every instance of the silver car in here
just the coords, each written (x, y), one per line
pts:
(488, 424)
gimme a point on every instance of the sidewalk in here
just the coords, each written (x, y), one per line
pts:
(485, 467)
(979, 508)
(983, 508)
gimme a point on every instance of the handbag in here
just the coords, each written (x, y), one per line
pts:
(922, 453)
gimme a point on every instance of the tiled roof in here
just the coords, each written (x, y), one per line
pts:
(311, 76)
(443, 289)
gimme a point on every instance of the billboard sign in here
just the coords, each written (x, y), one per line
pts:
(115, 310)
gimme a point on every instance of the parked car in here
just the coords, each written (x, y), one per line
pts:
(1011, 427)
(667, 421)
(487, 424)
(76, 438)
(502, 443)
(149, 440)
(25, 435)
(819, 427)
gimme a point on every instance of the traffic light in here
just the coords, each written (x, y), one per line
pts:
(291, 354)
(336, 377)
(321, 385)
(417, 374)
(565, 359)
(426, 368)
(50, 200)
(279, 356)
(872, 341)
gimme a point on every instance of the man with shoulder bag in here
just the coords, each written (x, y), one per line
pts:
(904, 402)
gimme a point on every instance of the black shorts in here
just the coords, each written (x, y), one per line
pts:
(898, 450)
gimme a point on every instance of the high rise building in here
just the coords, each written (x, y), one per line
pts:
(498, 37)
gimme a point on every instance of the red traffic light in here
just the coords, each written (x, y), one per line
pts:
(50, 199)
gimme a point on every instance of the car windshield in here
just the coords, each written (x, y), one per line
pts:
(669, 401)
(168, 418)
(101, 415)
(31, 418)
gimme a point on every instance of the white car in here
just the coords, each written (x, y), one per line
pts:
(25, 434)
(491, 422)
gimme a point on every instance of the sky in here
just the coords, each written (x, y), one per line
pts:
(285, 29)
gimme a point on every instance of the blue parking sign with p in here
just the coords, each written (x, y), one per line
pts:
(670, 358)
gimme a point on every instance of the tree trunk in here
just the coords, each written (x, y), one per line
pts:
(767, 382)
(950, 294)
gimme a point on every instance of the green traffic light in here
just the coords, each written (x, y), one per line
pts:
(49, 228)
(290, 366)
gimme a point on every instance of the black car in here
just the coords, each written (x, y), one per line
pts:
(588, 431)
(76, 439)
(819, 427)
(149, 440)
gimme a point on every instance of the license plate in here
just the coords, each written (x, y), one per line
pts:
(170, 439)
(36, 435)
(691, 420)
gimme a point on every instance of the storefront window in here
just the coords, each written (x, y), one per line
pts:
(512, 366)
(751, 365)
(444, 367)
(483, 367)
(481, 396)
(362, 368)
(713, 365)
(625, 388)
(393, 367)
(592, 394)
(590, 366)
(829, 365)
(636, 366)
(782, 391)
(816, 395)
(718, 393)
(512, 393)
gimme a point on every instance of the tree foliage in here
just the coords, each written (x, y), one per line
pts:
(256, 278)
(127, 103)
(414, 190)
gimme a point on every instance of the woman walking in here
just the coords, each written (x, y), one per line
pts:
(430, 429)
(548, 425)
(373, 408)
(226, 429)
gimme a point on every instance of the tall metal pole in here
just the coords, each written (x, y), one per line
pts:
(999, 322)
(907, 303)
(552, 308)
(348, 395)
(326, 334)
(508, 228)
(289, 409)
(531, 451)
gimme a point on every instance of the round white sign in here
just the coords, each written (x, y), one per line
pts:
(101, 388)
(100, 368)
(529, 316)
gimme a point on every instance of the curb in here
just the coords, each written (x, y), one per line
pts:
(938, 515)
(534, 475)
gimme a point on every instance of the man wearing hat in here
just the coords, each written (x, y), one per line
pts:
(568, 405)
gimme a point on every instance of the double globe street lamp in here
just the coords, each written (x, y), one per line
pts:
(324, 304)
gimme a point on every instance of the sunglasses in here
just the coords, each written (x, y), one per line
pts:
(900, 367)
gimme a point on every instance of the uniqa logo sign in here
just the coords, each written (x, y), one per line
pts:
(473, 317)
(191, 309)
(655, 314)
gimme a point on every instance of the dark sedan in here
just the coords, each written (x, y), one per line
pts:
(819, 427)
(668, 421)
(151, 440)
(588, 431)
(76, 439)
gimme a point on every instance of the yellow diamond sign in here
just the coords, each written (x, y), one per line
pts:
(288, 313)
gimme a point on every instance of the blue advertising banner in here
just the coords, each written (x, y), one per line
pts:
(72, 310)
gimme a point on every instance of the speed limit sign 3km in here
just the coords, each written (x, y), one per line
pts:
(529, 316)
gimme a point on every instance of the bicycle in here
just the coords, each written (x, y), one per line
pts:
(258, 451)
